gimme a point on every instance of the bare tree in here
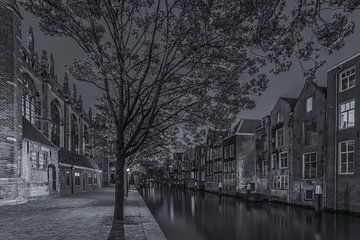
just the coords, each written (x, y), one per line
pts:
(162, 63)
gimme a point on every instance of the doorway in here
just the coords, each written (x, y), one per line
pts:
(52, 177)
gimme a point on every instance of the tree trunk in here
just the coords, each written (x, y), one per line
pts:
(119, 186)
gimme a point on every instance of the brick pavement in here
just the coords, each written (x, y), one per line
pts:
(78, 217)
(139, 224)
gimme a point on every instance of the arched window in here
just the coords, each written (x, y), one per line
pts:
(31, 109)
(74, 134)
(55, 122)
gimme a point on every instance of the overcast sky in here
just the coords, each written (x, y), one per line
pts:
(287, 84)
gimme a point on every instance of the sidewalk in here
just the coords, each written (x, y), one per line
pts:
(139, 222)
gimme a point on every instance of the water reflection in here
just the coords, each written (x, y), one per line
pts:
(194, 215)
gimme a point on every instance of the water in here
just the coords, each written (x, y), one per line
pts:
(188, 215)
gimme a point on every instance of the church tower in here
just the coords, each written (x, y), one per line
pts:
(11, 182)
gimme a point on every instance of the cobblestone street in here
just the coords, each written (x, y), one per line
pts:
(81, 216)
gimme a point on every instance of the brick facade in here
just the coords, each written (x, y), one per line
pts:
(342, 186)
(30, 92)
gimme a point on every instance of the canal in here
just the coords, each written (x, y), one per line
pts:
(188, 215)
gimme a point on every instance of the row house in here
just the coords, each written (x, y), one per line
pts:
(213, 161)
(199, 165)
(342, 164)
(291, 148)
(45, 135)
(239, 157)
(262, 156)
(281, 148)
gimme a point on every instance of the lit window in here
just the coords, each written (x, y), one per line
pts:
(280, 138)
(347, 114)
(347, 79)
(309, 165)
(346, 155)
(281, 182)
(283, 159)
(77, 178)
(309, 104)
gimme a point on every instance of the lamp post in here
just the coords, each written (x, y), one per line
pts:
(127, 181)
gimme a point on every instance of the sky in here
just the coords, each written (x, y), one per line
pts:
(288, 84)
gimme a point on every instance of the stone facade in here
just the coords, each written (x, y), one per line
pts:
(37, 116)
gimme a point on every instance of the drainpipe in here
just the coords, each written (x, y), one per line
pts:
(336, 136)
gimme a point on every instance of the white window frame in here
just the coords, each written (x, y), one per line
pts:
(309, 104)
(281, 158)
(277, 137)
(303, 164)
(347, 157)
(281, 182)
(349, 107)
(346, 75)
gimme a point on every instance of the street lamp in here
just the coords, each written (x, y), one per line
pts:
(127, 181)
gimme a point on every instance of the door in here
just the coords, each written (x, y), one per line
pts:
(52, 178)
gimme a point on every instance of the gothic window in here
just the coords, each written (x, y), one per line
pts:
(74, 134)
(31, 102)
(55, 123)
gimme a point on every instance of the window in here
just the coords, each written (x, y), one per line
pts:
(347, 79)
(67, 173)
(280, 137)
(310, 132)
(90, 179)
(232, 150)
(283, 160)
(264, 168)
(309, 165)
(347, 114)
(309, 104)
(77, 178)
(280, 117)
(281, 182)
(346, 155)
(34, 158)
(95, 179)
(273, 160)
(309, 194)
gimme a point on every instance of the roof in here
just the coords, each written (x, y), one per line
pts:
(290, 101)
(343, 61)
(246, 125)
(32, 133)
(74, 159)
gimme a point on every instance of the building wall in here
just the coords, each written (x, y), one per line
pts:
(40, 180)
(11, 185)
(69, 185)
(299, 184)
(342, 190)
(281, 194)
(262, 154)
